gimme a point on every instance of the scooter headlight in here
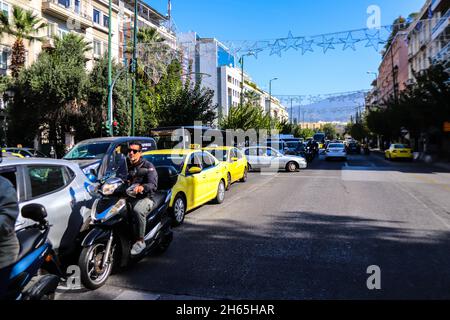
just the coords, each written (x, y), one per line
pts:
(110, 212)
(109, 188)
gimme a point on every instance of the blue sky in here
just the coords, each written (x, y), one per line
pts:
(312, 73)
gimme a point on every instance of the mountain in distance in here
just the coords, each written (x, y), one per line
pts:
(331, 109)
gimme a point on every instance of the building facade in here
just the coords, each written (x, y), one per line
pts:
(393, 71)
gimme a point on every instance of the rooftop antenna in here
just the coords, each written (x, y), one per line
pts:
(169, 13)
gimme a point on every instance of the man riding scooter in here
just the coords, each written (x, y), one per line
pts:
(146, 186)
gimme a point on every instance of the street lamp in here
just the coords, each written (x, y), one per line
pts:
(270, 101)
(242, 74)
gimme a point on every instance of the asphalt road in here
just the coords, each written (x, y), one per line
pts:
(307, 235)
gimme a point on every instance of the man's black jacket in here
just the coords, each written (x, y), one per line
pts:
(149, 181)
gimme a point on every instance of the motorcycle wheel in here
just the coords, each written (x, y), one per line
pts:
(93, 275)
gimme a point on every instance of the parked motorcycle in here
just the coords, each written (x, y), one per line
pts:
(109, 243)
(36, 274)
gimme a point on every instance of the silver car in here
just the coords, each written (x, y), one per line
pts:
(335, 151)
(61, 187)
(269, 158)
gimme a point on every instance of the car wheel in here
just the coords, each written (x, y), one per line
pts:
(245, 176)
(220, 197)
(178, 210)
(228, 181)
(250, 167)
(292, 166)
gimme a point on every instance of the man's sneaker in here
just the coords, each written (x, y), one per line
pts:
(138, 247)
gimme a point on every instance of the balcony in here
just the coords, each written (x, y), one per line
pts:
(65, 9)
(443, 55)
(435, 4)
(441, 25)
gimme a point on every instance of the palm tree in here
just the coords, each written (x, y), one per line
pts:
(252, 97)
(25, 25)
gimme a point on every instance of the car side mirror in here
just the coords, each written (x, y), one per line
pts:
(234, 159)
(195, 170)
(35, 212)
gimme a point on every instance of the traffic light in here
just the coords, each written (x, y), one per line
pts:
(116, 128)
(105, 128)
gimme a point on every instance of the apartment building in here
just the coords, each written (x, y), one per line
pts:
(429, 37)
(393, 72)
(89, 18)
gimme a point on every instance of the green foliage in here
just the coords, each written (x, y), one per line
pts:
(422, 107)
(329, 130)
(245, 117)
(51, 93)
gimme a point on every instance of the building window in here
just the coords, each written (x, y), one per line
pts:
(5, 8)
(3, 60)
(64, 3)
(62, 33)
(97, 48)
(77, 6)
(105, 21)
(96, 16)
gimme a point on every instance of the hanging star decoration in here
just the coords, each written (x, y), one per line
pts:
(306, 46)
(373, 40)
(326, 44)
(255, 50)
(349, 42)
(290, 42)
(276, 47)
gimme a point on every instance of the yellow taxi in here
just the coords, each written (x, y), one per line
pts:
(202, 178)
(234, 161)
(12, 154)
(398, 151)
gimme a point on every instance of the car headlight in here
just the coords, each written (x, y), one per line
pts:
(108, 213)
(109, 188)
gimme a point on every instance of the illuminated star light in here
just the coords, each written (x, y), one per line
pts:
(373, 40)
(326, 44)
(290, 42)
(306, 46)
(255, 49)
(276, 48)
(349, 42)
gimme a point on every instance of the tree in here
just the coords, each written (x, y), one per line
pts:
(329, 130)
(252, 97)
(51, 93)
(25, 25)
(245, 117)
(180, 104)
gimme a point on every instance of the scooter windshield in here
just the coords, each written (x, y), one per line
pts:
(117, 166)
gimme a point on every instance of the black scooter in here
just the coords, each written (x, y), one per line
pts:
(36, 273)
(110, 240)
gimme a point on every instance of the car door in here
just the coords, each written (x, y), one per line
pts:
(53, 187)
(252, 156)
(212, 173)
(195, 183)
(237, 166)
(265, 157)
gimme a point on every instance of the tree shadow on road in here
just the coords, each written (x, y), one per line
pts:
(297, 255)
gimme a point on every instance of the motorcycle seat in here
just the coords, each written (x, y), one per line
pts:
(159, 197)
(28, 239)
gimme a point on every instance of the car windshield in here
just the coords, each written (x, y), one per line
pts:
(292, 145)
(399, 146)
(94, 150)
(336, 146)
(319, 137)
(174, 160)
(219, 154)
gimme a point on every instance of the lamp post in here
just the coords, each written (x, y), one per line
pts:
(110, 113)
(134, 65)
(242, 75)
(270, 101)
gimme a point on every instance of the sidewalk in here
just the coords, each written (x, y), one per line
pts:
(427, 160)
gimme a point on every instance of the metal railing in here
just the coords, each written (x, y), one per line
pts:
(441, 21)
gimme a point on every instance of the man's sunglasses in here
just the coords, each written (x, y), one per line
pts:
(133, 151)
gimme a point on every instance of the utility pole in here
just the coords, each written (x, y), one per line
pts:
(110, 110)
(292, 120)
(270, 102)
(134, 66)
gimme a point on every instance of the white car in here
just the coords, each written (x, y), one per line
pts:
(269, 158)
(61, 187)
(336, 151)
